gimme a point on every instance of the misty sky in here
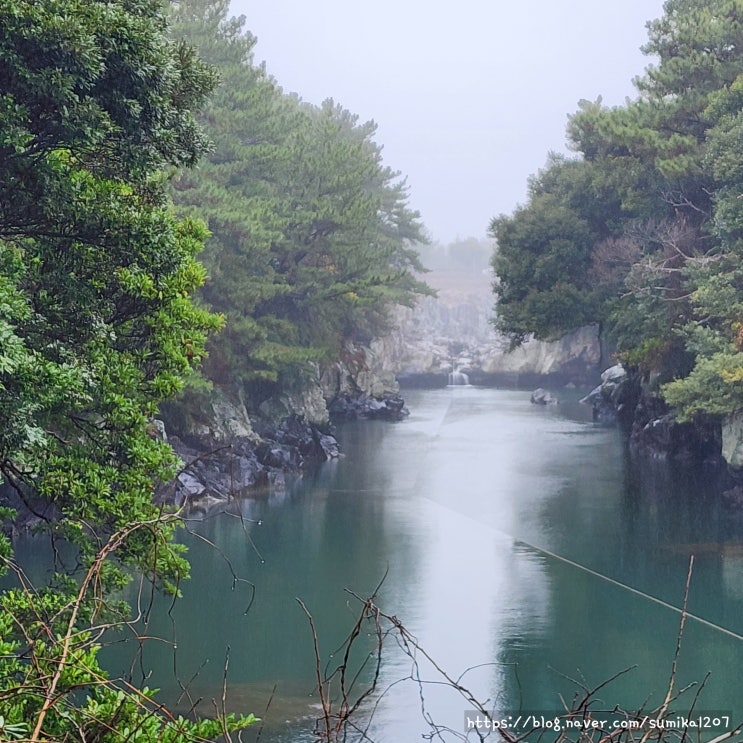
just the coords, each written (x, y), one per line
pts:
(469, 95)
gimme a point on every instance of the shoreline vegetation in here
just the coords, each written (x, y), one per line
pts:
(640, 231)
(129, 278)
(304, 240)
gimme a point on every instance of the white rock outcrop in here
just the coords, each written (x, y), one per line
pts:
(732, 440)
(453, 331)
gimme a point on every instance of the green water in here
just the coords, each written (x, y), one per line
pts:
(467, 506)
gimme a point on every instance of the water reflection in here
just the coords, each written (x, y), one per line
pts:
(467, 507)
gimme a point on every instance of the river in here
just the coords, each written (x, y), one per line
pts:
(517, 543)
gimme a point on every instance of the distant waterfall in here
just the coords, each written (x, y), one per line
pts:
(458, 378)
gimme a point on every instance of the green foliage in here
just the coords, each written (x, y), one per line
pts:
(543, 258)
(663, 256)
(97, 326)
(46, 661)
(715, 386)
(311, 240)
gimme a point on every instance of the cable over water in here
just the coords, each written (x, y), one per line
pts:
(601, 576)
(626, 587)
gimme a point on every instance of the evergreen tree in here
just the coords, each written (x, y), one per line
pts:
(96, 327)
(546, 282)
(665, 265)
(311, 238)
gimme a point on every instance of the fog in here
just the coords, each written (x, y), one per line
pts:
(469, 97)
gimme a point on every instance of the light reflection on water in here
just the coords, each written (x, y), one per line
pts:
(460, 505)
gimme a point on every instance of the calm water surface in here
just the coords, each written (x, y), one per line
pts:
(510, 535)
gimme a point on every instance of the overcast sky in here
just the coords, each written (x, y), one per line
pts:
(469, 95)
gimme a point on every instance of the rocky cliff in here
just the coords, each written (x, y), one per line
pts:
(453, 332)
(652, 430)
(228, 446)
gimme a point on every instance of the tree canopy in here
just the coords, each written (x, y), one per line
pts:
(105, 310)
(97, 326)
(640, 231)
(311, 238)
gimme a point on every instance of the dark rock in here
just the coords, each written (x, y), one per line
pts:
(310, 441)
(342, 408)
(625, 396)
(219, 486)
(279, 456)
(249, 473)
(190, 486)
(329, 446)
(656, 434)
(396, 405)
(604, 410)
(733, 497)
(362, 406)
(543, 397)
(217, 474)
(615, 399)
(31, 510)
(277, 480)
(214, 471)
(650, 426)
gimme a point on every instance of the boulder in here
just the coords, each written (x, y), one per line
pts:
(543, 397)
(613, 375)
(215, 471)
(604, 410)
(615, 399)
(361, 406)
(279, 456)
(190, 486)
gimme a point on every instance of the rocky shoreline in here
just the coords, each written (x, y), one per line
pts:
(218, 469)
(650, 427)
(229, 451)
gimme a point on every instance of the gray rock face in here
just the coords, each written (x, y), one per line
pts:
(225, 454)
(362, 370)
(389, 408)
(656, 434)
(215, 416)
(652, 430)
(309, 404)
(362, 383)
(453, 332)
(190, 486)
(575, 354)
(615, 398)
(732, 440)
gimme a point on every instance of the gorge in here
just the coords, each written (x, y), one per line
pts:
(222, 357)
(446, 339)
(481, 509)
